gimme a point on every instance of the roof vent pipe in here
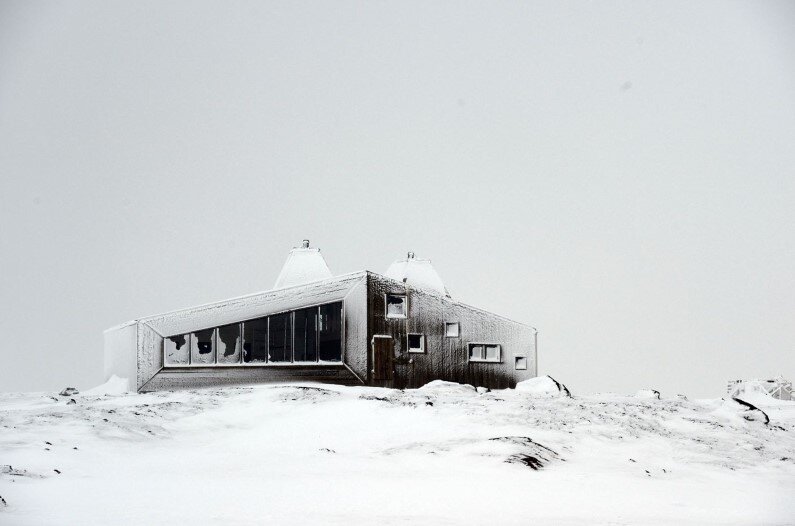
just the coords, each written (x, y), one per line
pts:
(305, 244)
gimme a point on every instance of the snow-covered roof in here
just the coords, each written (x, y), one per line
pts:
(417, 273)
(303, 265)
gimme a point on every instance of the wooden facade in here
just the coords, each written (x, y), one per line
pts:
(375, 341)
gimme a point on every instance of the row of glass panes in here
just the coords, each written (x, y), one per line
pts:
(305, 336)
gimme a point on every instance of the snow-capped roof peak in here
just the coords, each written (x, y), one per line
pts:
(303, 265)
(417, 273)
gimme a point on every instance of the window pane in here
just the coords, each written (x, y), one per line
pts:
(255, 341)
(493, 353)
(475, 352)
(280, 343)
(521, 363)
(202, 347)
(451, 329)
(415, 342)
(229, 343)
(330, 332)
(177, 349)
(306, 335)
(395, 306)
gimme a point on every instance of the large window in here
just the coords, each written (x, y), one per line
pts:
(330, 332)
(305, 335)
(255, 341)
(229, 343)
(280, 345)
(309, 335)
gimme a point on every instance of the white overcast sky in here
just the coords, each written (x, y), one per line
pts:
(620, 175)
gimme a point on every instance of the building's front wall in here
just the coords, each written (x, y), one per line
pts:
(136, 350)
(447, 358)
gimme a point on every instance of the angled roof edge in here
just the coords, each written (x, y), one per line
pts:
(211, 304)
(448, 299)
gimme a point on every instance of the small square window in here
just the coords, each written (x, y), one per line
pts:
(416, 343)
(452, 329)
(484, 352)
(520, 363)
(396, 306)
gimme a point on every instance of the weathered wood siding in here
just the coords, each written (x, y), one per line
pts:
(196, 377)
(448, 358)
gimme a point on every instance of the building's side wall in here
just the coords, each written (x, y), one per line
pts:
(120, 346)
(351, 289)
(150, 353)
(355, 327)
(448, 358)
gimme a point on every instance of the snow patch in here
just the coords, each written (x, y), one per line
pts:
(442, 386)
(652, 394)
(114, 386)
(544, 386)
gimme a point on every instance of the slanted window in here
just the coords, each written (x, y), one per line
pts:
(416, 343)
(484, 352)
(452, 329)
(229, 343)
(330, 332)
(255, 341)
(396, 306)
(520, 363)
(279, 342)
(202, 347)
(305, 340)
(177, 349)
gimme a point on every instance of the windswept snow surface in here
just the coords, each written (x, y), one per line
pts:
(444, 455)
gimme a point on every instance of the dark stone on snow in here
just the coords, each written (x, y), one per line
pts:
(528, 460)
(71, 402)
(69, 391)
(561, 387)
(752, 412)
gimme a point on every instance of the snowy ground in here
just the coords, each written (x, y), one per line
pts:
(317, 454)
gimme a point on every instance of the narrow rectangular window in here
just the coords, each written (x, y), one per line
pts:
(228, 339)
(330, 332)
(396, 306)
(176, 349)
(305, 326)
(492, 353)
(416, 343)
(476, 353)
(202, 347)
(280, 338)
(521, 363)
(452, 329)
(255, 341)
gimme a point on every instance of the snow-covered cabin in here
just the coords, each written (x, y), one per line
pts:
(397, 329)
(778, 388)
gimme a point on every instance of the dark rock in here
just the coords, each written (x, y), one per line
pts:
(69, 391)
(752, 413)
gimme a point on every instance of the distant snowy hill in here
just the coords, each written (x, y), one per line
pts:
(447, 454)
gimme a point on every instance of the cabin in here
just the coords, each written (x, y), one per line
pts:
(399, 329)
(778, 387)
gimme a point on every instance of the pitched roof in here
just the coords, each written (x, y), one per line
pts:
(303, 265)
(417, 273)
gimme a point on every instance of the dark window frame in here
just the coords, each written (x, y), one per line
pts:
(416, 350)
(405, 305)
